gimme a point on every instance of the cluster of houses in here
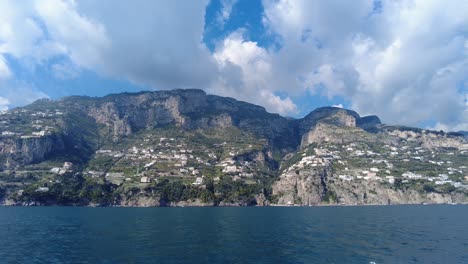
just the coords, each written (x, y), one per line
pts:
(66, 168)
(322, 158)
(373, 166)
(405, 154)
(237, 169)
(165, 156)
(34, 134)
(40, 123)
(441, 179)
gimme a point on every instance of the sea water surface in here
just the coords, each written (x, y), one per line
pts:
(372, 234)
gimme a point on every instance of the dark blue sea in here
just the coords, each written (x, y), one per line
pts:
(372, 234)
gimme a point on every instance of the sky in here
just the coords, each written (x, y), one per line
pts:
(403, 60)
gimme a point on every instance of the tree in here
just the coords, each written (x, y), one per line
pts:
(398, 183)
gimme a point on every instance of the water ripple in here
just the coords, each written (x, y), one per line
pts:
(393, 234)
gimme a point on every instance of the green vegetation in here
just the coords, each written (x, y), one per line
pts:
(330, 197)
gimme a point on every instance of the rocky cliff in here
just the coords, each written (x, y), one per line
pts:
(28, 150)
(324, 187)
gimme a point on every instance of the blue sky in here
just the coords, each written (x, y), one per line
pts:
(406, 61)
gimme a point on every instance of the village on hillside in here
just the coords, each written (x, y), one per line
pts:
(406, 164)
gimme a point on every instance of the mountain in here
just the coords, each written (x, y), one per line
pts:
(184, 147)
(464, 133)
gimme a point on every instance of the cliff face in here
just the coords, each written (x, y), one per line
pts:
(429, 139)
(323, 187)
(124, 115)
(323, 132)
(315, 127)
(369, 123)
(22, 151)
(329, 115)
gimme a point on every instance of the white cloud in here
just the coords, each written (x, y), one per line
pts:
(414, 73)
(225, 13)
(82, 39)
(145, 42)
(16, 93)
(65, 70)
(27, 35)
(4, 70)
(158, 44)
(245, 73)
(338, 105)
(325, 75)
(4, 103)
(406, 63)
(21, 34)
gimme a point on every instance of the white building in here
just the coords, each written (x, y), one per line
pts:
(55, 170)
(42, 189)
(390, 179)
(346, 177)
(198, 181)
(8, 133)
(67, 165)
(145, 180)
(40, 133)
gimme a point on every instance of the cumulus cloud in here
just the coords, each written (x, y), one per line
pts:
(414, 74)
(158, 44)
(245, 72)
(81, 38)
(21, 33)
(338, 105)
(145, 42)
(4, 103)
(32, 32)
(406, 62)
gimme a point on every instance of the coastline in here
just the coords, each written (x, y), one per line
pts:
(224, 205)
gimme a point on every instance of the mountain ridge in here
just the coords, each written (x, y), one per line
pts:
(221, 151)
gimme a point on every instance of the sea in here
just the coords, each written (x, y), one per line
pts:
(348, 234)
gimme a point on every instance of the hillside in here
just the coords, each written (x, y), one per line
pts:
(184, 147)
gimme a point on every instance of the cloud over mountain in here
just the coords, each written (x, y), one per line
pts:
(403, 60)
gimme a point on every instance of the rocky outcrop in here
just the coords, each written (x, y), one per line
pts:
(140, 201)
(123, 117)
(334, 124)
(464, 134)
(369, 123)
(430, 139)
(299, 187)
(125, 114)
(322, 187)
(219, 121)
(328, 115)
(27, 150)
(323, 132)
